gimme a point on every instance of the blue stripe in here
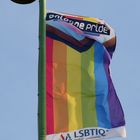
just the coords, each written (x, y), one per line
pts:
(101, 87)
(65, 27)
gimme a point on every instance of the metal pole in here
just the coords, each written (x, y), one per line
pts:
(42, 72)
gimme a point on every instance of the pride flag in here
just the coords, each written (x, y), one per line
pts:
(81, 102)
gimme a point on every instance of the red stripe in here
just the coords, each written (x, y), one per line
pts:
(49, 86)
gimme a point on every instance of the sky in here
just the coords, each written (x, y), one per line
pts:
(19, 61)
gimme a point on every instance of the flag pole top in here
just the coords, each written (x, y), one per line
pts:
(23, 1)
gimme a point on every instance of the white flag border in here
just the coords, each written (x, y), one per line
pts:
(92, 133)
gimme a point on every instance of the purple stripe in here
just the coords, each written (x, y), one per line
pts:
(116, 111)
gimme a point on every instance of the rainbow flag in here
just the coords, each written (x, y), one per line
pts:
(81, 101)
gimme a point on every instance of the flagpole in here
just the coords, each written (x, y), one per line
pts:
(42, 72)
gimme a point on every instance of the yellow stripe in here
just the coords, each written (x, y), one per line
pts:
(74, 89)
(90, 19)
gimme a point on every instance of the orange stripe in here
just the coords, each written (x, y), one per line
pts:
(60, 87)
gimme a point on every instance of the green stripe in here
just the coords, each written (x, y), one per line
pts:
(88, 89)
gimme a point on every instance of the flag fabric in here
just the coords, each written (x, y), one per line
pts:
(81, 101)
